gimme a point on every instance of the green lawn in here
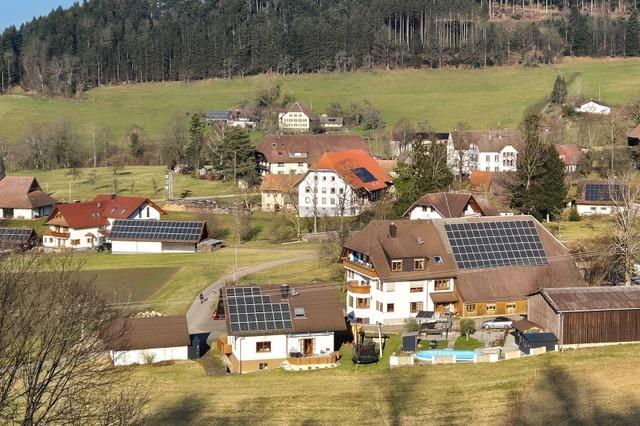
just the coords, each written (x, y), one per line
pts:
(484, 98)
(585, 229)
(309, 271)
(462, 343)
(148, 181)
(590, 386)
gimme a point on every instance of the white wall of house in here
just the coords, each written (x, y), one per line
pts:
(591, 210)
(129, 247)
(146, 211)
(298, 168)
(245, 348)
(325, 193)
(594, 108)
(503, 161)
(428, 212)
(77, 239)
(271, 199)
(25, 213)
(141, 356)
(296, 121)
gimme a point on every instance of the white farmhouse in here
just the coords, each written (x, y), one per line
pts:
(492, 150)
(341, 184)
(22, 198)
(440, 205)
(599, 197)
(593, 107)
(299, 118)
(277, 326)
(147, 340)
(86, 225)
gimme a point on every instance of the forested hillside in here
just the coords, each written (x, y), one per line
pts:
(113, 41)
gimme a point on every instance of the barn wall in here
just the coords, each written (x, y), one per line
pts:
(155, 355)
(601, 327)
(178, 247)
(136, 247)
(540, 312)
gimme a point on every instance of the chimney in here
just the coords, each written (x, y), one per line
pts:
(392, 230)
(113, 195)
(284, 291)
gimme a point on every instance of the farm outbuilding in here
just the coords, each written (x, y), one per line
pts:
(17, 238)
(156, 236)
(581, 316)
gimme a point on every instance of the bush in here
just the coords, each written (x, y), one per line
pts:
(573, 215)
(281, 229)
(467, 327)
(411, 325)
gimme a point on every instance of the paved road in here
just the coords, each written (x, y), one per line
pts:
(199, 314)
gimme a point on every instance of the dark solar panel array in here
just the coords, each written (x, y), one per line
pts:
(603, 192)
(364, 174)
(156, 230)
(495, 244)
(15, 234)
(252, 312)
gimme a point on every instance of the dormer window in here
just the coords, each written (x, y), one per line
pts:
(113, 209)
(122, 211)
(396, 265)
(418, 264)
(299, 312)
(438, 260)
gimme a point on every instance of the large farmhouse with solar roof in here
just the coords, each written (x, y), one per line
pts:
(471, 266)
(341, 184)
(87, 225)
(599, 197)
(275, 326)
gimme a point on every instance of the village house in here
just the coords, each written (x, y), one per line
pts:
(571, 155)
(592, 107)
(331, 124)
(232, 118)
(491, 150)
(271, 326)
(279, 192)
(588, 316)
(299, 118)
(440, 205)
(147, 340)
(599, 197)
(403, 150)
(86, 225)
(472, 266)
(22, 198)
(293, 154)
(341, 184)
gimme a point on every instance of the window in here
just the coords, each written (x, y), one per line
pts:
(307, 200)
(418, 264)
(280, 164)
(496, 168)
(351, 301)
(391, 286)
(511, 307)
(396, 265)
(442, 285)
(75, 242)
(491, 307)
(390, 307)
(416, 288)
(333, 200)
(300, 164)
(379, 306)
(307, 190)
(470, 307)
(416, 307)
(487, 158)
(324, 178)
(332, 190)
(324, 190)
(263, 366)
(88, 240)
(341, 191)
(438, 260)
(333, 178)
(148, 212)
(324, 200)
(496, 158)
(362, 303)
(263, 346)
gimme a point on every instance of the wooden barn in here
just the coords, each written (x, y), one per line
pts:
(588, 315)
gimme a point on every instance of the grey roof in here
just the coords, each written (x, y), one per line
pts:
(585, 299)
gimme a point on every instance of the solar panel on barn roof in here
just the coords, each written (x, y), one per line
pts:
(364, 174)
(15, 234)
(495, 244)
(156, 230)
(603, 192)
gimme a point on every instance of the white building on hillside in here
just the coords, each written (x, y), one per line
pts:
(599, 197)
(491, 150)
(299, 118)
(156, 236)
(440, 205)
(593, 107)
(341, 184)
(274, 326)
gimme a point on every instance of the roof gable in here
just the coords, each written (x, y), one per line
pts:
(23, 192)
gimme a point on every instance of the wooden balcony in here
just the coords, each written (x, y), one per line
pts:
(58, 234)
(359, 267)
(331, 358)
(356, 288)
(223, 348)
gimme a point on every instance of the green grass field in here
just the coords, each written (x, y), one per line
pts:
(484, 98)
(148, 181)
(590, 386)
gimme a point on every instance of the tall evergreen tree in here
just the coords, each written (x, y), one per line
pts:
(194, 144)
(633, 35)
(559, 93)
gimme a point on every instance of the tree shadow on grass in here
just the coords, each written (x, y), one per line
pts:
(401, 385)
(185, 411)
(560, 397)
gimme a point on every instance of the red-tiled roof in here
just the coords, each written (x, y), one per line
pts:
(95, 213)
(346, 163)
(480, 180)
(23, 192)
(570, 154)
(279, 183)
(306, 148)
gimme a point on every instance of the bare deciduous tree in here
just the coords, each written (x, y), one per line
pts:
(52, 364)
(625, 235)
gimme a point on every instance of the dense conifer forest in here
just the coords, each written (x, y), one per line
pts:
(103, 42)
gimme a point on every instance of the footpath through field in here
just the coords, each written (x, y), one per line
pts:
(199, 313)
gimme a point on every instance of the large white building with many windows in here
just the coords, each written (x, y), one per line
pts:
(491, 150)
(299, 118)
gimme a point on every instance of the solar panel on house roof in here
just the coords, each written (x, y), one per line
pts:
(15, 234)
(603, 192)
(249, 311)
(495, 244)
(364, 174)
(156, 230)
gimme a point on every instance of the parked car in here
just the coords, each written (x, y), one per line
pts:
(104, 247)
(498, 322)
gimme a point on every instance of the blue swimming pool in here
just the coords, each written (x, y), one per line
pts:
(459, 355)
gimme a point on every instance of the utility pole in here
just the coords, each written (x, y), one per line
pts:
(69, 191)
(380, 337)
(234, 167)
